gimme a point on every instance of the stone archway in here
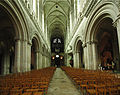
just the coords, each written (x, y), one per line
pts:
(108, 48)
(13, 38)
(35, 57)
(79, 54)
(7, 43)
(79, 50)
(100, 30)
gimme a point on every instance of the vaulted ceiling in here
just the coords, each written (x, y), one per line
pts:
(56, 16)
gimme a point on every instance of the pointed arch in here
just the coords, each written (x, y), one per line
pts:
(17, 18)
(103, 10)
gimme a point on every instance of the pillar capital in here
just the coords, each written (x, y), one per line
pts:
(84, 45)
(37, 51)
(92, 42)
(29, 43)
(17, 39)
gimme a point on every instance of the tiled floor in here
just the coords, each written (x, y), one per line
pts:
(61, 85)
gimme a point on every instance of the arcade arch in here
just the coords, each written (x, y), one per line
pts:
(12, 39)
(101, 36)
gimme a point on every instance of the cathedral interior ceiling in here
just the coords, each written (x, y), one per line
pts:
(56, 13)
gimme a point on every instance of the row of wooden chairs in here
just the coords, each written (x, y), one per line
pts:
(94, 82)
(34, 82)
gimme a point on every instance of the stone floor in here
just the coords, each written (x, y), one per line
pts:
(61, 85)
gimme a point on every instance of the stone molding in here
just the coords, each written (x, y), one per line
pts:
(116, 21)
(92, 42)
(89, 43)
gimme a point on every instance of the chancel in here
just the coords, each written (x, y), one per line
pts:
(59, 47)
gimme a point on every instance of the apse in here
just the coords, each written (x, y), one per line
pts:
(57, 51)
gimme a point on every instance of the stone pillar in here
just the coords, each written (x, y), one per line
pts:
(95, 55)
(36, 60)
(45, 64)
(43, 21)
(23, 64)
(40, 60)
(43, 61)
(48, 64)
(117, 25)
(75, 12)
(118, 32)
(6, 63)
(70, 21)
(29, 56)
(17, 60)
(80, 62)
(68, 60)
(48, 59)
(89, 55)
(75, 60)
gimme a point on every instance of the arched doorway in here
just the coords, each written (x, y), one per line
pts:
(7, 43)
(79, 54)
(34, 54)
(107, 44)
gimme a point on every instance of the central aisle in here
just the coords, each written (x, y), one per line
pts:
(61, 84)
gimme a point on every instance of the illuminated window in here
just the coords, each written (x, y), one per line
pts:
(57, 40)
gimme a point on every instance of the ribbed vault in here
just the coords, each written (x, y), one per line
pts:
(56, 16)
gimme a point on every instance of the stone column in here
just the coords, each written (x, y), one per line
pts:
(29, 56)
(47, 61)
(40, 60)
(89, 55)
(43, 61)
(118, 32)
(68, 60)
(70, 21)
(23, 64)
(75, 60)
(75, 11)
(95, 55)
(45, 64)
(17, 60)
(80, 62)
(48, 64)
(117, 25)
(36, 60)
(6, 63)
